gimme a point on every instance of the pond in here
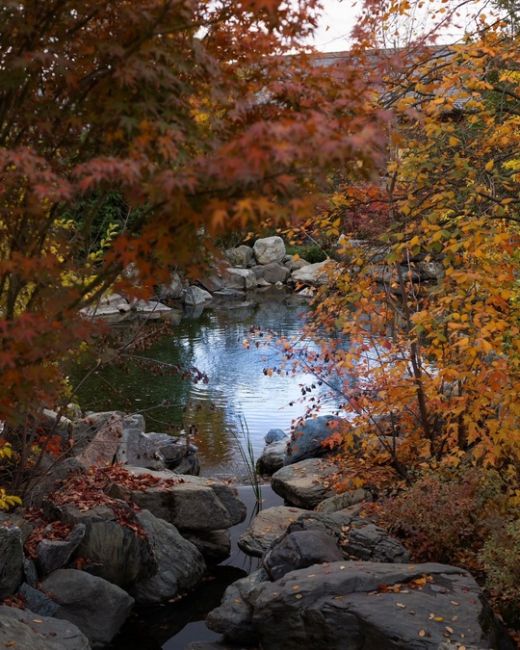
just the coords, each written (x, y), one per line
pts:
(239, 400)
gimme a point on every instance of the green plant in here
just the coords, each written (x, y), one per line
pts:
(311, 252)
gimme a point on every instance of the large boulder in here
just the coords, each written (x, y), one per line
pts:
(11, 559)
(239, 279)
(269, 249)
(308, 438)
(313, 275)
(300, 549)
(234, 615)
(188, 502)
(27, 630)
(266, 528)
(180, 566)
(367, 605)
(36, 601)
(272, 272)
(97, 607)
(305, 484)
(114, 547)
(241, 256)
(196, 296)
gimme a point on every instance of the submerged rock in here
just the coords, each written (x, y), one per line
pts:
(97, 607)
(305, 484)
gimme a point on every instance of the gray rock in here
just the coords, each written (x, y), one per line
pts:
(241, 256)
(36, 601)
(272, 272)
(239, 279)
(233, 617)
(30, 573)
(51, 478)
(16, 520)
(109, 305)
(266, 528)
(269, 249)
(85, 429)
(431, 271)
(54, 554)
(155, 450)
(111, 550)
(180, 565)
(215, 545)
(272, 458)
(342, 605)
(188, 502)
(172, 290)
(300, 549)
(295, 264)
(345, 500)
(314, 275)
(274, 435)
(149, 307)
(11, 560)
(305, 484)
(97, 607)
(196, 296)
(25, 630)
(369, 542)
(308, 437)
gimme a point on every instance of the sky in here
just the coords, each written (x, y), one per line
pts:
(340, 15)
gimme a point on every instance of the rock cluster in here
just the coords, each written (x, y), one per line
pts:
(106, 536)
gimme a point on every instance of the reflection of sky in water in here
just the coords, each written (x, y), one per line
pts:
(237, 386)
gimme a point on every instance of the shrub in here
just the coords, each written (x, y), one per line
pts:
(446, 517)
(500, 557)
(311, 253)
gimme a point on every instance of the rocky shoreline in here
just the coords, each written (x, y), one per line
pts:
(100, 538)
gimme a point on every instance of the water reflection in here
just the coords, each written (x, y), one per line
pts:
(237, 386)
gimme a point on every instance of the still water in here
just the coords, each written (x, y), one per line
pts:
(238, 395)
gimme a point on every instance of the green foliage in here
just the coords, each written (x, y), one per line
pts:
(311, 253)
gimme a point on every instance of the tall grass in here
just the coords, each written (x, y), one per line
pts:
(247, 452)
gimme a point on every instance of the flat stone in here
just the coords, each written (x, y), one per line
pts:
(188, 502)
(266, 528)
(305, 484)
(314, 275)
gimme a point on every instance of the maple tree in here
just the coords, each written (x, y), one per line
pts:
(428, 303)
(197, 117)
